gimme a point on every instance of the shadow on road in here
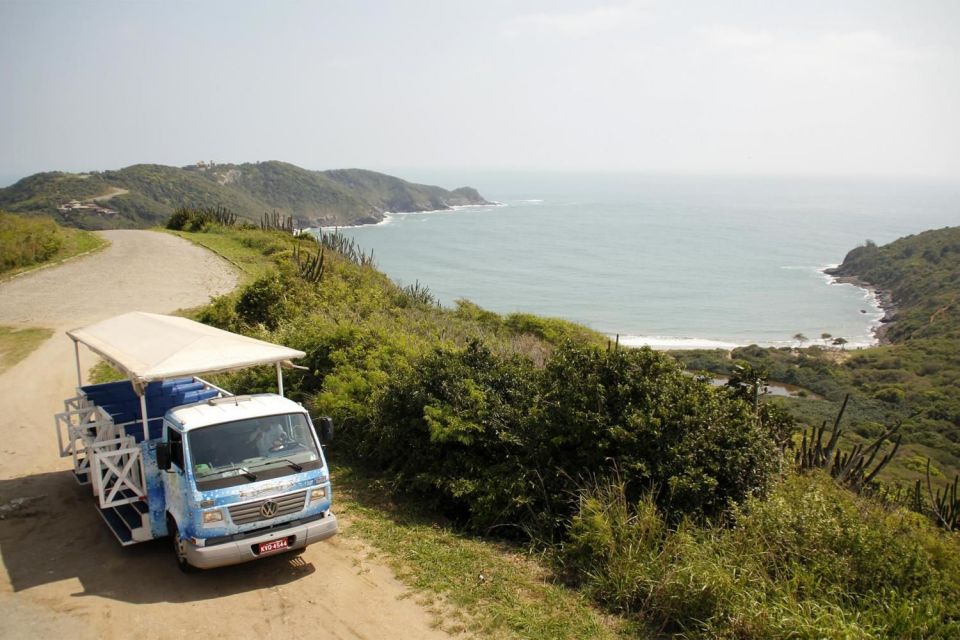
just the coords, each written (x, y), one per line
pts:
(50, 531)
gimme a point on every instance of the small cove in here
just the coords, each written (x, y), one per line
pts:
(673, 262)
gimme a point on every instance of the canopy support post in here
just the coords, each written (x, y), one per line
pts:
(143, 415)
(76, 353)
(279, 380)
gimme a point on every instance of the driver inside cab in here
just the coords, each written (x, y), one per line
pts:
(267, 438)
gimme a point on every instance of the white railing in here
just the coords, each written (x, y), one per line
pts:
(116, 465)
(76, 403)
(76, 427)
(78, 430)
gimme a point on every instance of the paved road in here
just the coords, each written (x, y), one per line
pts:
(63, 574)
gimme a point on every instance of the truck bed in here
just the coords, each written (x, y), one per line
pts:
(121, 402)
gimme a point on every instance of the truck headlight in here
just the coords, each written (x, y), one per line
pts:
(318, 494)
(212, 516)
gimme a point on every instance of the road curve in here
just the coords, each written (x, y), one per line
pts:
(63, 574)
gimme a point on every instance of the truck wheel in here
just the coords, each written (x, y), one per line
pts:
(179, 547)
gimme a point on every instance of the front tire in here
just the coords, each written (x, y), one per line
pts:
(179, 548)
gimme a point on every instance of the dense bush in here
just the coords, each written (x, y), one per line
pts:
(450, 430)
(265, 302)
(699, 447)
(185, 219)
(494, 440)
(199, 218)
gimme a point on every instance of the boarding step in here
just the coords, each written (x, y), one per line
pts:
(82, 478)
(126, 523)
(130, 516)
(140, 505)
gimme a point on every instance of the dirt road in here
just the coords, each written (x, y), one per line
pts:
(62, 572)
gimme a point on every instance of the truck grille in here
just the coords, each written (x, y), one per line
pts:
(251, 511)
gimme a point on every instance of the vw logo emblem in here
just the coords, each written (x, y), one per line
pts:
(269, 509)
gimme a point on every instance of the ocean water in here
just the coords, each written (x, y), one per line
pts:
(668, 261)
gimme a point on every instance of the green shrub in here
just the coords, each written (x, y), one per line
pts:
(893, 395)
(195, 219)
(810, 561)
(702, 448)
(553, 330)
(221, 313)
(179, 219)
(613, 546)
(456, 417)
(492, 439)
(264, 302)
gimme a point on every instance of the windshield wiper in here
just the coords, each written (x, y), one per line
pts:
(249, 475)
(296, 467)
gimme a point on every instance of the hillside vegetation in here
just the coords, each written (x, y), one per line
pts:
(145, 195)
(664, 499)
(27, 242)
(912, 379)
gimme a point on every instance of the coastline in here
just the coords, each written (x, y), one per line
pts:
(389, 215)
(882, 298)
(862, 330)
(879, 299)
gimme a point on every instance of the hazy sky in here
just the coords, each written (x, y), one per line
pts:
(808, 87)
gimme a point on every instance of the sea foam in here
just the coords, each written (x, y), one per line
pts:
(670, 343)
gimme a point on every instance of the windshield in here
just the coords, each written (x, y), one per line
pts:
(247, 450)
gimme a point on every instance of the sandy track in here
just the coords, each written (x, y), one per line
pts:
(62, 572)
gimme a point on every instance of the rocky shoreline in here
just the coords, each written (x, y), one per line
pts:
(462, 197)
(883, 297)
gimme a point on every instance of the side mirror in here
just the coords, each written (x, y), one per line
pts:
(326, 430)
(163, 456)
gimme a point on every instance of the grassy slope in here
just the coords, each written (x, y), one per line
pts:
(478, 585)
(250, 261)
(30, 243)
(340, 197)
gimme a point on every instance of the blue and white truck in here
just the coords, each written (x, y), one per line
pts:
(228, 478)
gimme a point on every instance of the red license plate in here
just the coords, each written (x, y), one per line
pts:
(273, 545)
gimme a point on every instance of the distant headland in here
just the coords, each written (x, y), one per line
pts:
(144, 195)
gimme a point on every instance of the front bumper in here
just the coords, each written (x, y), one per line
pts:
(227, 553)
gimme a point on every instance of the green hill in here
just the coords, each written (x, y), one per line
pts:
(144, 195)
(922, 274)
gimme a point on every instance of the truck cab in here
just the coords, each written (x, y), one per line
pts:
(242, 477)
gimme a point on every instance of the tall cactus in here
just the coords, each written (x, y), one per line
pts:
(945, 506)
(310, 265)
(347, 247)
(855, 468)
(273, 221)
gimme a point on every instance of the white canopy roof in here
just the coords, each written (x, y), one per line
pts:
(149, 346)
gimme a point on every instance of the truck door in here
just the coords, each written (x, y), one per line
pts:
(175, 487)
